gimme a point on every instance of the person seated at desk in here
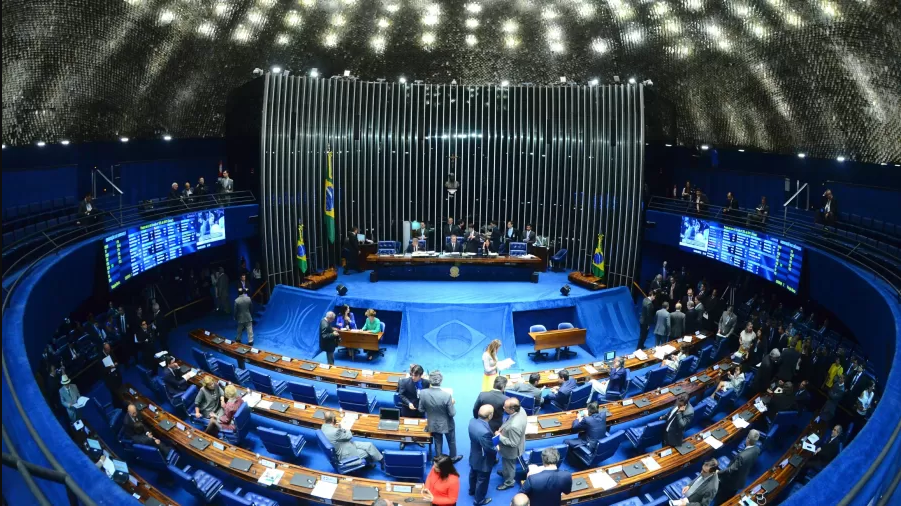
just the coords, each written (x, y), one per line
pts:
(488, 246)
(673, 363)
(133, 428)
(528, 235)
(733, 381)
(345, 320)
(416, 246)
(373, 325)
(547, 484)
(827, 450)
(111, 329)
(455, 245)
(591, 428)
(561, 393)
(472, 241)
(616, 380)
(175, 384)
(345, 447)
(530, 387)
(230, 403)
(209, 400)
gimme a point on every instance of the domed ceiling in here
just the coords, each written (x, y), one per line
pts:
(819, 76)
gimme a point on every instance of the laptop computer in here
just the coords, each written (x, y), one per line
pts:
(303, 480)
(548, 423)
(367, 494)
(240, 464)
(200, 443)
(166, 425)
(389, 418)
(579, 484)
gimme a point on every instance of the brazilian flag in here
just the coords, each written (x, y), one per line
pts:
(301, 250)
(330, 202)
(597, 267)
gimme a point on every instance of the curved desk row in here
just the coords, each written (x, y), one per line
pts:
(339, 375)
(411, 430)
(597, 370)
(612, 479)
(221, 454)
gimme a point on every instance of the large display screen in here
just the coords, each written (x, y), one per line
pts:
(139, 249)
(769, 257)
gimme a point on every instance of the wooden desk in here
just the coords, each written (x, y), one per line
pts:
(305, 415)
(181, 439)
(542, 253)
(461, 259)
(617, 413)
(784, 475)
(367, 249)
(668, 465)
(360, 340)
(338, 375)
(457, 267)
(598, 370)
(560, 338)
(141, 489)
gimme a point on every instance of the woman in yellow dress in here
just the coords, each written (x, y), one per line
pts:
(835, 369)
(489, 364)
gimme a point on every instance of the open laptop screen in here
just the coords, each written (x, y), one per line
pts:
(389, 414)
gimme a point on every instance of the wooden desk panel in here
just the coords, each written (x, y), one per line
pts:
(379, 380)
(549, 377)
(181, 439)
(560, 338)
(303, 414)
(617, 413)
(668, 465)
(534, 263)
(359, 339)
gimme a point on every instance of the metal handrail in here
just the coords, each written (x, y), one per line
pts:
(42, 252)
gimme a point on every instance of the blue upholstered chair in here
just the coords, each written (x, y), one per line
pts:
(534, 457)
(112, 415)
(183, 403)
(526, 402)
(345, 466)
(201, 484)
(230, 372)
(306, 392)
(280, 442)
(605, 449)
(650, 380)
(242, 426)
(247, 499)
(673, 491)
(565, 351)
(786, 419)
(355, 399)
(538, 354)
(685, 367)
(405, 465)
(578, 398)
(558, 261)
(646, 435)
(518, 249)
(710, 406)
(632, 501)
(152, 457)
(206, 361)
(387, 248)
(264, 383)
(422, 245)
(615, 395)
(154, 384)
(705, 358)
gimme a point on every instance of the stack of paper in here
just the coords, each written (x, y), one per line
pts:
(668, 348)
(190, 374)
(411, 421)
(650, 463)
(107, 361)
(739, 422)
(641, 355)
(271, 477)
(601, 480)
(367, 372)
(348, 421)
(686, 339)
(713, 442)
(80, 403)
(760, 406)
(813, 438)
(532, 428)
(252, 399)
(324, 489)
(263, 404)
(505, 364)
(589, 369)
(161, 354)
(809, 447)
(659, 354)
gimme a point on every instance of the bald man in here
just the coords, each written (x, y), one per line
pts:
(512, 441)
(482, 455)
(520, 500)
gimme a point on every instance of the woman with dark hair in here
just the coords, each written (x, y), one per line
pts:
(443, 484)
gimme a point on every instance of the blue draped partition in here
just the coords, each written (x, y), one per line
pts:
(291, 322)
(610, 319)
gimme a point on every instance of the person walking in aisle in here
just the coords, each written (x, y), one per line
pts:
(243, 310)
(438, 406)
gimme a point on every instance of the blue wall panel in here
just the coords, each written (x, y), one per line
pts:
(27, 186)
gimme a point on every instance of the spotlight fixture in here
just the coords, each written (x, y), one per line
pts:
(258, 72)
(41, 144)
(4, 147)
(647, 82)
(123, 139)
(668, 145)
(564, 290)
(704, 147)
(615, 79)
(314, 72)
(64, 142)
(276, 69)
(741, 151)
(883, 163)
(346, 73)
(402, 80)
(167, 137)
(453, 82)
(505, 83)
(594, 82)
(802, 155)
(631, 80)
(342, 290)
(841, 159)
(563, 79)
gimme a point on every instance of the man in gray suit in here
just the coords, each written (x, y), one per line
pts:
(677, 322)
(222, 290)
(345, 447)
(438, 406)
(644, 318)
(530, 387)
(701, 490)
(662, 327)
(512, 443)
(243, 308)
(727, 322)
(733, 478)
(328, 337)
(68, 396)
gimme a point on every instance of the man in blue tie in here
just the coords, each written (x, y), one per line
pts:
(546, 486)
(482, 455)
(616, 382)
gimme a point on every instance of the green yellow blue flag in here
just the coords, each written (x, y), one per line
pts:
(301, 250)
(597, 267)
(330, 202)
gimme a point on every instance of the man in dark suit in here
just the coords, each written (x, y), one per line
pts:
(788, 364)
(511, 234)
(731, 208)
(560, 394)
(760, 213)
(86, 210)
(732, 479)
(328, 337)
(494, 232)
(828, 449)
(591, 428)
(353, 251)
(408, 391)
(455, 245)
(528, 235)
(144, 341)
(657, 283)
(828, 211)
(782, 399)
(175, 384)
(677, 420)
(111, 375)
(133, 428)
(701, 490)
(677, 323)
(691, 318)
(855, 383)
(699, 202)
(174, 194)
(450, 228)
(546, 486)
(802, 397)
(765, 372)
(160, 327)
(482, 455)
(494, 398)
(645, 317)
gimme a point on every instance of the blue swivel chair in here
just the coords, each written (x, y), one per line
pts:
(247, 499)
(153, 383)
(673, 491)
(615, 395)
(206, 361)
(685, 367)
(280, 442)
(306, 393)
(422, 245)
(405, 465)
(526, 402)
(229, 372)
(705, 358)
(183, 403)
(242, 426)
(558, 260)
(710, 406)
(605, 449)
(111, 415)
(531, 457)
(264, 383)
(201, 484)
(345, 466)
(578, 398)
(565, 352)
(387, 248)
(355, 399)
(651, 380)
(152, 457)
(538, 354)
(786, 419)
(646, 435)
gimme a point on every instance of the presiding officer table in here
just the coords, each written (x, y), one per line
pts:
(454, 267)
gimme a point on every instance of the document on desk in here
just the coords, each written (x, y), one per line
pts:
(348, 421)
(713, 442)
(264, 404)
(813, 438)
(659, 353)
(641, 355)
(532, 428)
(590, 369)
(601, 480)
(739, 422)
(190, 374)
(271, 477)
(809, 447)
(324, 489)
(668, 348)
(650, 463)
(411, 421)
(686, 339)
(505, 364)
(760, 407)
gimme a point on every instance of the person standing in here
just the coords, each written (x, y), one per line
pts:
(835, 370)
(408, 390)
(222, 290)
(662, 326)
(159, 326)
(244, 316)
(547, 486)
(174, 194)
(727, 322)
(701, 490)
(834, 398)
(442, 487)
(200, 188)
(731, 208)
(449, 228)
(865, 399)
(438, 406)
(352, 260)
(677, 420)
(677, 323)
(511, 234)
(68, 397)
(144, 340)
(112, 377)
(226, 186)
(328, 337)
(828, 211)
(511, 441)
(733, 477)
(645, 317)
(482, 455)
(494, 398)
(489, 364)
(86, 211)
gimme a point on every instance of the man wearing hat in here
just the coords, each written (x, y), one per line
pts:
(68, 396)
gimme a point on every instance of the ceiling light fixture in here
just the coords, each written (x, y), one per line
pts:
(704, 147)
(631, 80)
(402, 80)
(741, 151)
(123, 139)
(841, 159)
(594, 82)
(41, 144)
(167, 137)
(64, 142)
(668, 145)
(562, 79)
(802, 155)
(314, 73)
(505, 83)
(276, 69)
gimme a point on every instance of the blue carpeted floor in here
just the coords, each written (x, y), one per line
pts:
(465, 382)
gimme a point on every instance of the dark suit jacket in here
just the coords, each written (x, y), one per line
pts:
(828, 451)
(544, 488)
(353, 244)
(703, 495)
(482, 455)
(454, 247)
(83, 208)
(408, 393)
(133, 428)
(449, 230)
(732, 205)
(764, 375)
(528, 236)
(592, 428)
(495, 399)
(787, 363)
(675, 431)
(175, 384)
(617, 379)
(514, 238)
(734, 476)
(327, 341)
(174, 195)
(802, 400)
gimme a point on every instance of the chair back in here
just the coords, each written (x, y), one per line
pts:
(653, 432)
(786, 418)
(302, 392)
(353, 399)
(526, 401)
(535, 455)
(233, 499)
(655, 378)
(201, 484)
(149, 456)
(564, 325)
(382, 325)
(205, 360)
(276, 441)
(387, 248)
(705, 358)
(242, 426)
(518, 249)
(606, 448)
(560, 255)
(327, 448)
(406, 465)
(578, 399)
(686, 365)
(229, 372)
(537, 328)
(261, 382)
